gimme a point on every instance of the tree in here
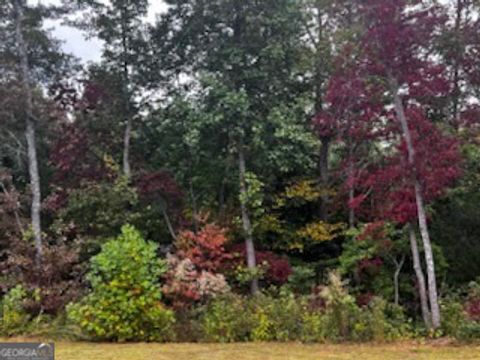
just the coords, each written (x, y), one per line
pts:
(395, 50)
(328, 25)
(30, 58)
(249, 51)
(119, 25)
(458, 44)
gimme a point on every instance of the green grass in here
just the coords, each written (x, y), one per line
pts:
(261, 351)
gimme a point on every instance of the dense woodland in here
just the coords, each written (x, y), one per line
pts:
(242, 170)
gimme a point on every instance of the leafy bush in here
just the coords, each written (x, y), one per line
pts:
(99, 209)
(15, 319)
(227, 319)
(453, 316)
(314, 327)
(380, 321)
(278, 317)
(302, 279)
(56, 283)
(185, 285)
(261, 318)
(469, 331)
(124, 303)
(205, 248)
(273, 269)
(193, 271)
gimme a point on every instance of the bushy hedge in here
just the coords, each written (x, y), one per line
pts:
(285, 317)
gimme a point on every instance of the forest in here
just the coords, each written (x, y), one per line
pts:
(275, 170)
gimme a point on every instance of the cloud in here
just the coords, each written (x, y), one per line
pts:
(74, 40)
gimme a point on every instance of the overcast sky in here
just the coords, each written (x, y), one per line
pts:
(74, 40)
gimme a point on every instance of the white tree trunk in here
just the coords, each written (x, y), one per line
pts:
(417, 266)
(246, 223)
(396, 275)
(30, 130)
(421, 215)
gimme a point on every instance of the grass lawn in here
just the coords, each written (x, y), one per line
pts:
(260, 351)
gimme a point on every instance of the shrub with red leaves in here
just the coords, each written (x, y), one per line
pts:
(205, 248)
(278, 268)
(370, 266)
(186, 285)
(58, 279)
(161, 188)
(364, 299)
(193, 273)
(472, 308)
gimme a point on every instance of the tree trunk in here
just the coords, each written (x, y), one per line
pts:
(324, 177)
(427, 247)
(127, 171)
(351, 188)
(417, 266)
(421, 215)
(126, 148)
(170, 228)
(319, 79)
(398, 269)
(29, 132)
(247, 225)
(456, 93)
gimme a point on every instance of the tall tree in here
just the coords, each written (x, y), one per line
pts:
(328, 25)
(250, 49)
(30, 58)
(396, 50)
(120, 24)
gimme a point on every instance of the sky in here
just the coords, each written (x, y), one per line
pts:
(74, 41)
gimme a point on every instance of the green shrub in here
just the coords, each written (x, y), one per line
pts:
(283, 316)
(277, 317)
(381, 321)
(469, 331)
(15, 319)
(226, 318)
(314, 328)
(453, 316)
(302, 279)
(124, 303)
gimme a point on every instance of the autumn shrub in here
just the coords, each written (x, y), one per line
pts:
(193, 271)
(275, 316)
(205, 248)
(185, 285)
(124, 303)
(340, 308)
(273, 269)
(56, 282)
(466, 326)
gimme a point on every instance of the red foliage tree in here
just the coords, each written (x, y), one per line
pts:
(395, 54)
